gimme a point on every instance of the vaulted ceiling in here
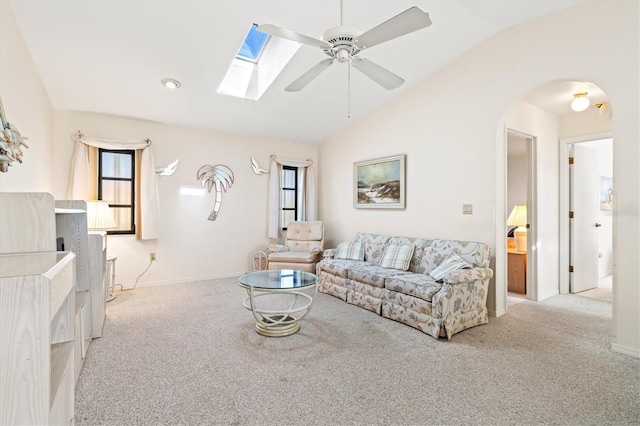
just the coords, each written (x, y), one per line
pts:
(108, 56)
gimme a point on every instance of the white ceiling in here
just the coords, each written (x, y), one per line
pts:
(108, 56)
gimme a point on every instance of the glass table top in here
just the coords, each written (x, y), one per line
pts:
(278, 279)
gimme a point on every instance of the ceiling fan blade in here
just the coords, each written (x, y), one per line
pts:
(406, 22)
(375, 72)
(277, 31)
(308, 76)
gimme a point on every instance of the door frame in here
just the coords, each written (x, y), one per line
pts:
(532, 213)
(565, 184)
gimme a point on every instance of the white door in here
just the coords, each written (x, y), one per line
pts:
(584, 227)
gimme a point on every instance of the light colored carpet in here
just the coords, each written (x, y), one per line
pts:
(602, 292)
(188, 354)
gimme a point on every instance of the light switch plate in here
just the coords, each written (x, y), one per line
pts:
(467, 209)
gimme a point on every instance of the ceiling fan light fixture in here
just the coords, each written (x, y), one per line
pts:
(170, 83)
(580, 102)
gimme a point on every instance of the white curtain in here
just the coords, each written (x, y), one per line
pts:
(274, 226)
(149, 202)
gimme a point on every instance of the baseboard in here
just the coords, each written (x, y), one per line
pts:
(499, 313)
(626, 350)
(547, 295)
(185, 280)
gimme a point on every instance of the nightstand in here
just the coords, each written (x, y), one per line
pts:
(517, 271)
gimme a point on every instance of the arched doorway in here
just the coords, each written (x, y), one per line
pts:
(545, 116)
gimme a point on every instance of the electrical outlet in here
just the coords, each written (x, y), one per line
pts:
(152, 257)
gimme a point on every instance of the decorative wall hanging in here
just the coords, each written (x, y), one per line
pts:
(218, 176)
(11, 143)
(257, 169)
(169, 170)
(606, 193)
(379, 184)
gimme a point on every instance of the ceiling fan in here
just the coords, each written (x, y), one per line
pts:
(343, 44)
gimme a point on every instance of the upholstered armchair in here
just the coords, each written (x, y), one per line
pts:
(302, 248)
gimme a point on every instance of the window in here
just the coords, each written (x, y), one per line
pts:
(116, 186)
(289, 196)
(252, 45)
(256, 64)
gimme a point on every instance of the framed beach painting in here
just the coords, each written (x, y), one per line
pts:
(379, 184)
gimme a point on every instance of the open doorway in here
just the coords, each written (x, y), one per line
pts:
(546, 118)
(520, 205)
(588, 190)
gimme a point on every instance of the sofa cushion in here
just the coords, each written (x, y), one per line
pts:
(451, 263)
(340, 267)
(350, 250)
(437, 251)
(416, 285)
(371, 274)
(293, 256)
(397, 256)
(373, 246)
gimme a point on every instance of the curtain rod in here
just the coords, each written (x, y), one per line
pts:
(273, 157)
(79, 135)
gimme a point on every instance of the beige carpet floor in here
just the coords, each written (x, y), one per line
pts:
(188, 354)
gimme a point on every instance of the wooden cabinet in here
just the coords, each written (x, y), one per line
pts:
(37, 310)
(517, 271)
(82, 331)
(91, 251)
(98, 281)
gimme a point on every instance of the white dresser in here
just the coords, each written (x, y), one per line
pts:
(37, 310)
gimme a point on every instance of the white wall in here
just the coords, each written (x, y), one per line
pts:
(27, 107)
(517, 171)
(452, 126)
(588, 122)
(189, 246)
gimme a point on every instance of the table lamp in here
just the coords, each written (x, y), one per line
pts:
(99, 216)
(518, 217)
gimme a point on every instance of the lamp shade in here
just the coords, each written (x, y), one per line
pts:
(99, 216)
(518, 216)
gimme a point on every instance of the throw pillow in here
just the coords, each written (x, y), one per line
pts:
(397, 257)
(451, 263)
(350, 251)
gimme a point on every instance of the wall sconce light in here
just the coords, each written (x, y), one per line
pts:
(518, 217)
(580, 102)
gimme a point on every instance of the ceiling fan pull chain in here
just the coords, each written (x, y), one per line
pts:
(349, 89)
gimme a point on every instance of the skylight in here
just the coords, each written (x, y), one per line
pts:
(258, 62)
(252, 45)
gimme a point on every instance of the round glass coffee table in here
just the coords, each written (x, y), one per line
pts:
(278, 299)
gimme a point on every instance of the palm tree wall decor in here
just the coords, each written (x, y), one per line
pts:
(218, 176)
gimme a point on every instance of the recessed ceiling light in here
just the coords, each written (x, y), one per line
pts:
(170, 83)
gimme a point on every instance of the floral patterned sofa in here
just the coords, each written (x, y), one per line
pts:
(406, 292)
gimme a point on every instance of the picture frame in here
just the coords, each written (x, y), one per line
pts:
(379, 183)
(606, 193)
